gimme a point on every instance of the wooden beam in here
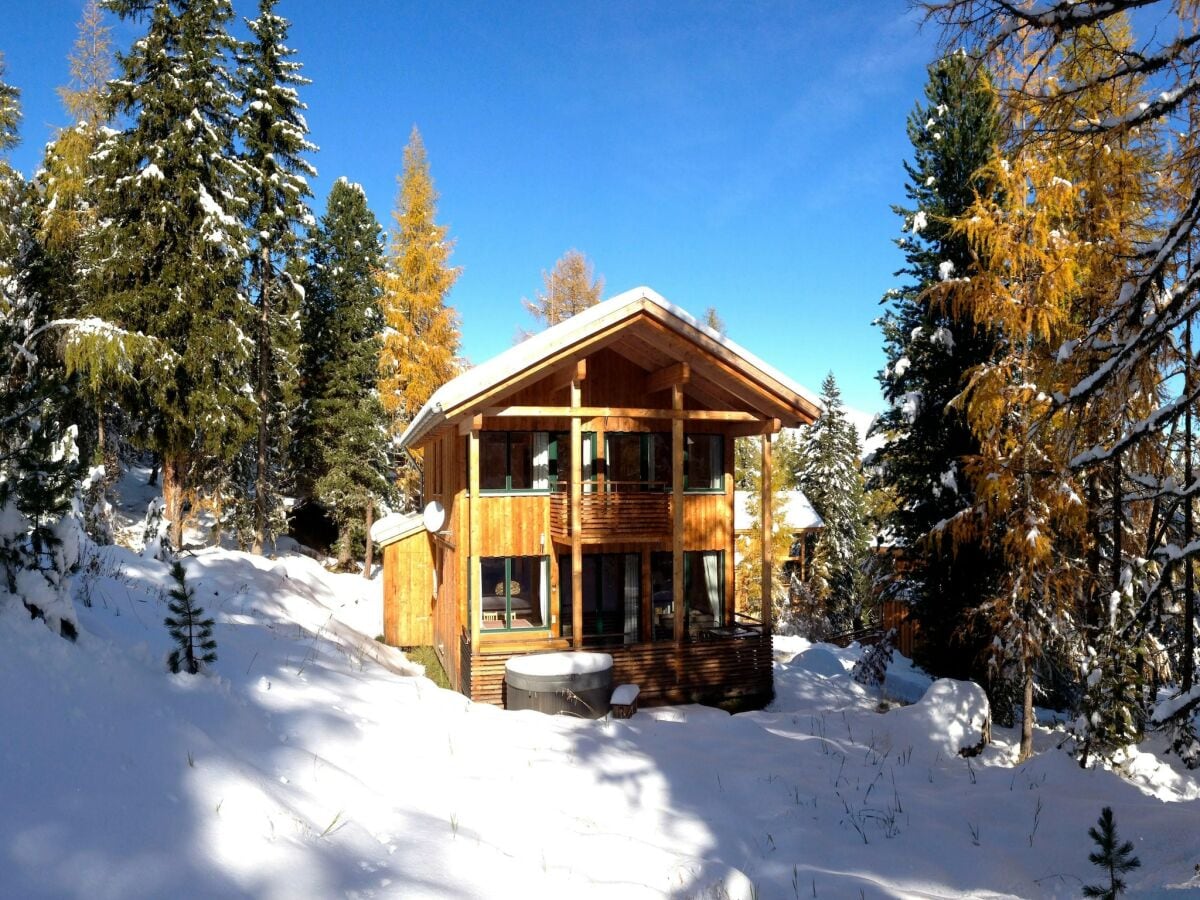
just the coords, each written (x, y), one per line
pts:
(476, 574)
(765, 506)
(562, 379)
(627, 412)
(677, 516)
(754, 429)
(576, 520)
(680, 373)
(470, 424)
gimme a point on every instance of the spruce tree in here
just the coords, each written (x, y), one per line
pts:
(342, 436)
(274, 142)
(420, 345)
(190, 630)
(954, 133)
(169, 263)
(1112, 855)
(569, 288)
(38, 464)
(831, 477)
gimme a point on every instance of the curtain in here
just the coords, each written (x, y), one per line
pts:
(588, 456)
(633, 578)
(541, 461)
(544, 590)
(712, 582)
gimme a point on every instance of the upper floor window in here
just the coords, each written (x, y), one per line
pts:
(642, 461)
(704, 462)
(514, 461)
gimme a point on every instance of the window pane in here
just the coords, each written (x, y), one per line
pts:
(704, 463)
(564, 595)
(493, 461)
(660, 461)
(661, 579)
(520, 460)
(493, 584)
(625, 459)
(526, 597)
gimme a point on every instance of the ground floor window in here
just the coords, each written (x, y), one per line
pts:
(703, 592)
(513, 592)
(612, 597)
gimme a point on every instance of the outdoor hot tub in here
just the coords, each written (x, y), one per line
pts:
(572, 683)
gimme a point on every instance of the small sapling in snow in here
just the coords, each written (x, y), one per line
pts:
(188, 627)
(1111, 855)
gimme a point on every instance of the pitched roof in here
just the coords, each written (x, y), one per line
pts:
(488, 379)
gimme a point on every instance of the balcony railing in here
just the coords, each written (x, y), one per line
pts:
(614, 510)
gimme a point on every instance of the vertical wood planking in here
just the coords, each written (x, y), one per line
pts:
(576, 523)
(765, 501)
(473, 549)
(677, 516)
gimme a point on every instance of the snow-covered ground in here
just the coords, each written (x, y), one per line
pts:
(313, 762)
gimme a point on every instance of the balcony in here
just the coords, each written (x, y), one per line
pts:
(617, 511)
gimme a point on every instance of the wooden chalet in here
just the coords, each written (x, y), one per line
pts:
(580, 495)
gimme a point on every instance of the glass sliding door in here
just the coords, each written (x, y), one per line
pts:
(611, 587)
(703, 593)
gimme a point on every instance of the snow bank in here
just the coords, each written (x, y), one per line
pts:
(819, 661)
(953, 715)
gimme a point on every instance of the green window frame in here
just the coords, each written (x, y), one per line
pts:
(534, 477)
(503, 602)
(716, 464)
(709, 563)
(560, 458)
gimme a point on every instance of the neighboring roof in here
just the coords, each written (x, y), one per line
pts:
(798, 513)
(475, 384)
(396, 526)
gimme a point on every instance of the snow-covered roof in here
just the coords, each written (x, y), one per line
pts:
(396, 526)
(798, 512)
(477, 382)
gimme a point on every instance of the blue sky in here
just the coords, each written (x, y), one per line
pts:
(742, 155)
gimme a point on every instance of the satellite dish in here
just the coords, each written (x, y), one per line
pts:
(434, 516)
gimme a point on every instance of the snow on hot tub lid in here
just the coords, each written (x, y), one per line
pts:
(570, 662)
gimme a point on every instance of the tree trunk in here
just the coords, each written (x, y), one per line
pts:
(172, 482)
(1027, 711)
(1188, 673)
(343, 558)
(264, 406)
(370, 555)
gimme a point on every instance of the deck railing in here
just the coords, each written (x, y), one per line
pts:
(612, 510)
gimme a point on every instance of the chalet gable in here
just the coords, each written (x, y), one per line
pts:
(626, 354)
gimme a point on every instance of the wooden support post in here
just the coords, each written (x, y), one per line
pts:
(576, 523)
(765, 500)
(475, 573)
(677, 516)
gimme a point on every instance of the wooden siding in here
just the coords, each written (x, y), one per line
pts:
(514, 525)
(408, 592)
(704, 671)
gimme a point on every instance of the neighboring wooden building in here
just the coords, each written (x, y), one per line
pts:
(801, 521)
(581, 486)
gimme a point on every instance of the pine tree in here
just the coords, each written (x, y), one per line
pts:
(954, 133)
(569, 288)
(420, 346)
(342, 436)
(831, 477)
(169, 262)
(274, 138)
(714, 321)
(38, 464)
(188, 627)
(1113, 856)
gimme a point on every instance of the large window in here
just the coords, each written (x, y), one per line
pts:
(703, 592)
(560, 460)
(513, 592)
(704, 462)
(514, 461)
(642, 461)
(612, 597)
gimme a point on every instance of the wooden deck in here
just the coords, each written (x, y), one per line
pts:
(720, 669)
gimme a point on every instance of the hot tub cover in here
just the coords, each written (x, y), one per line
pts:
(571, 662)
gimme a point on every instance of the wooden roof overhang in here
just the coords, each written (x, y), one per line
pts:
(729, 383)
